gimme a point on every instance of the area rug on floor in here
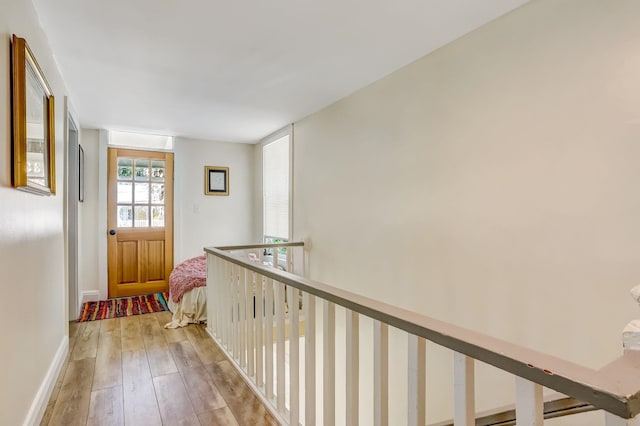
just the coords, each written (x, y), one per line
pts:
(124, 307)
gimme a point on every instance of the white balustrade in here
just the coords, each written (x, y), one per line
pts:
(417, 381)
(309, 306)
(353, 367)
(380, 373)
(463, 390)
(268, 350)
(280, 350)
(249, 318)
(249, 301)
(529, 403)
(259, 320)
(329, 362)
(242, 320)
(294, 356)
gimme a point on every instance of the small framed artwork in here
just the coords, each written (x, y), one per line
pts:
(32, 118)
(80, 174)
(216, 180)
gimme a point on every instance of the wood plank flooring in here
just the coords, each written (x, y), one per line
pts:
(131, 371)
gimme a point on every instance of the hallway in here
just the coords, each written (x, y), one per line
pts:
(132, 371)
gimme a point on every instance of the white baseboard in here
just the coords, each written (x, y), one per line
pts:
(89, 296)
(39, 404)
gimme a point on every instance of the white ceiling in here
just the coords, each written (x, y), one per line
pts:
(237, 70)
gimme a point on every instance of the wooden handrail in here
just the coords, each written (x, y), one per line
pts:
(615, 388)
(260, 246)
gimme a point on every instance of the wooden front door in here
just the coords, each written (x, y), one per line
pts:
(140, 221)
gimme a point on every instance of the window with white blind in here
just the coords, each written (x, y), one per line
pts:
(275, 189)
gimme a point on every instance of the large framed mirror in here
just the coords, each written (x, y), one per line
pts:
(33, 119)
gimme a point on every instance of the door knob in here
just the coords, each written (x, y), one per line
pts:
(112, 232)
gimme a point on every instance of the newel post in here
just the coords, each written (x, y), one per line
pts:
(630, 342)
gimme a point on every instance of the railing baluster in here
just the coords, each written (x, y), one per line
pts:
(529, 403)
(233, 291)
(213, 274)
(228, 308)
(309, 306)
(234, 313)
(329, 361)
(353, 366)
(380, 373)
(220, 301)
(232, 308)
(259, 320)
(463, 390)
(242, 316)
(294, 357)
(240, 319)
(274, 257)
(268, 347)
(250, 315)
(290, 262)
(417, 381)
(280, 349)
(212, 280)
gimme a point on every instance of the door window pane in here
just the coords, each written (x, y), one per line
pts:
(157, 216)
(157, 170)
(125, 216)
(142, 193)
(157, 193)
(142, 216)
(125, 168)
(125, 192)
(142, 169)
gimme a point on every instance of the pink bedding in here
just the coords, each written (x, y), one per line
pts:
(186, 276)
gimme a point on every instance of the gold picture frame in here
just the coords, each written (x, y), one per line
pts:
(32, 114)
(216, 180)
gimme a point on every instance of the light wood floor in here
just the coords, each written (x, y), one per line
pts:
(131, 371)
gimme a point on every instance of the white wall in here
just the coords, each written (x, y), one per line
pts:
(205, 220)
(88, 231)
(492, 184)
(33, 323)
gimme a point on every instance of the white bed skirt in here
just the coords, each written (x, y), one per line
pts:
(191, 309)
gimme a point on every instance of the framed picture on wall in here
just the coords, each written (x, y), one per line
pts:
(216, 180)
(33, 119)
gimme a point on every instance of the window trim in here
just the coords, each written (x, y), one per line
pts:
(287, 130)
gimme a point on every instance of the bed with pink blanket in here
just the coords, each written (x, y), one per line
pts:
(188, 292)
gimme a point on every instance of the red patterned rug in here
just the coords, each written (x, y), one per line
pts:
(124, 307)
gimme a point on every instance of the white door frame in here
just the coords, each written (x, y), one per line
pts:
(72, 141)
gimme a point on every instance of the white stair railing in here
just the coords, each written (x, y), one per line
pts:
(256, 320)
